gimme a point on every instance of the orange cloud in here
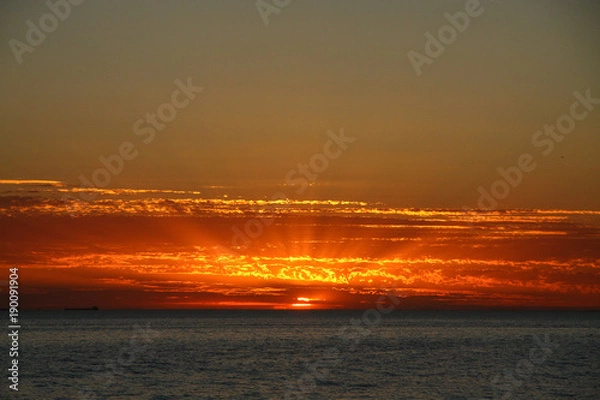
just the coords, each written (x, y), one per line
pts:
(176, 252)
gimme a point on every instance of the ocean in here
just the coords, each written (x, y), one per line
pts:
(209, 354)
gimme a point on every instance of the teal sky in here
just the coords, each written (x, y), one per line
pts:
(272, 92)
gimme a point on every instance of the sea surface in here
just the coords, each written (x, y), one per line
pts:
(307, 354)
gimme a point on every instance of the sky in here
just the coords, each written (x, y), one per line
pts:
(272, 92)
(123, 106)
(177, 249)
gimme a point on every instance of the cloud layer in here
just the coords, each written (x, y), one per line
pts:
(156, 249)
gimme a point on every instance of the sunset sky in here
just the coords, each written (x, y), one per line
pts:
(368, 175)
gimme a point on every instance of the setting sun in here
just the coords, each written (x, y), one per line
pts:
(279, 199)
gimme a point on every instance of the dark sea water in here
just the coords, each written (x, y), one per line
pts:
(308, 354)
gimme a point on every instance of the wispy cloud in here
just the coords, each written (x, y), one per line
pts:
(42, 182)
(168, 244)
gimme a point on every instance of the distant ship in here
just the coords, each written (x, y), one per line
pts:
(83, 309)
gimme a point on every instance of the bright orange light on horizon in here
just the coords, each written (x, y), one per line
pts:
(317, 256)
(305, 302)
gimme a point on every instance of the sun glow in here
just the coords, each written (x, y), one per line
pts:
(178, 253)
(305, 302)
